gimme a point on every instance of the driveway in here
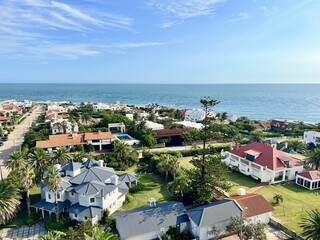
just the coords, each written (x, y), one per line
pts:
(16, 137)
(276, 234)
(25, 232)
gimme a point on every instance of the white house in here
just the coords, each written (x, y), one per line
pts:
(309, 179)
(62, 126)
(194, 115)
(86, 190)
(210, 221)
(153, 125)
(312, 137)
(264, 163)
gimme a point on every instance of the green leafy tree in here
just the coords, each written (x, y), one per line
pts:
(315, 158)
(125, 154)
(311, 225)
(247, 230)
(165, 164)
(52, 181)
(9, 201)
(209, 174)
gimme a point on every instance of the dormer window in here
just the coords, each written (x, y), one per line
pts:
(252, 155)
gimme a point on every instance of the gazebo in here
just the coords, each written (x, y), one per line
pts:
(128, 178)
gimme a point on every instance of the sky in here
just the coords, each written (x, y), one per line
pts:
(160, 41)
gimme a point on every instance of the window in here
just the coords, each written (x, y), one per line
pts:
(49, 195)
(75, 215)
(85, 218)
(92, 200)
(58, 196)
(72, 193)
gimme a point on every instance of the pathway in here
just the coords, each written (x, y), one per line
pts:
(16, 137)
(25, 232)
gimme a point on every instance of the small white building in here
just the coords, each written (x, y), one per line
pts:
(62, 126)
(264, 163)
(309, 179)
(188, 124)
(194, 115)
(153, 125)
(312, 137)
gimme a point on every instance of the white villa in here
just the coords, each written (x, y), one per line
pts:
(309, 180)
(264, 163)
(312, 137)
(62, 126)
(86, 190)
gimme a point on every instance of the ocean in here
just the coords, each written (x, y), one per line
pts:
(300, 102)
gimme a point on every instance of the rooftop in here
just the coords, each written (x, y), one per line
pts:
(311, 175)
(269, 157)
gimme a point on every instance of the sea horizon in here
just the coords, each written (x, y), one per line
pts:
(293, 102)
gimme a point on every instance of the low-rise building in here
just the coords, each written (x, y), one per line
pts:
(309, 179)
(311, 137)
(100, 140)
(85, 192)
(151, 222)
(63, 126)
(153, 125)
(171, 137)
(264, 163)
(255, 207)
(211, 220)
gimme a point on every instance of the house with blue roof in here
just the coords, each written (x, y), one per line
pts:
(86, 190)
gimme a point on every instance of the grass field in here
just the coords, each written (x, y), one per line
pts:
(297, 201)
(239, 180)
(153, 187)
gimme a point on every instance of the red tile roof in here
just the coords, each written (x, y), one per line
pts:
(253, 204)
(61, 140)
(98, 136)
(269, 157)
(312, 175)
(170, 132)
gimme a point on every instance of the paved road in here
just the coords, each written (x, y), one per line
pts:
(15, 138)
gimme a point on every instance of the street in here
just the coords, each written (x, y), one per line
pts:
(15, 138)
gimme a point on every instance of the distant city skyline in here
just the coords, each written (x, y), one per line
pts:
(159, 41)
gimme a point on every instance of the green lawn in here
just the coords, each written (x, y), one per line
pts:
(238, 180)
(297, 201)
(153, 187)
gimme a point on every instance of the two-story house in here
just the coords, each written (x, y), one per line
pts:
(263, 162)
(86, 190)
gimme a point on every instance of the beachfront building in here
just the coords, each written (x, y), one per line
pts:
(309, 179)
(311, 137)
(171, 137)
(153, 125)
(264, 163)
(99, 140)
(188, 124)
(117, 127)
(86, 190)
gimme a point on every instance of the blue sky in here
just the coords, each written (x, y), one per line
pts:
(160, 41)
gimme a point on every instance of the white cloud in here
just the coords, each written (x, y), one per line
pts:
(179, 10)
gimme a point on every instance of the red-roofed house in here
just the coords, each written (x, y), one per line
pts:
(264, 163)
(309, 179)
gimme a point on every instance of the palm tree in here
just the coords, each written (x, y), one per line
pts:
(39, 160)
(278, 198)
(52, 181)
(165, 164)
(311, 225)
(100, 234)
(315, 158)
(61, 156)
(15, 160)
(180, 186)
(175, 164)
(27, 177)
(53, 235)
(85, 117)
(9, 201)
